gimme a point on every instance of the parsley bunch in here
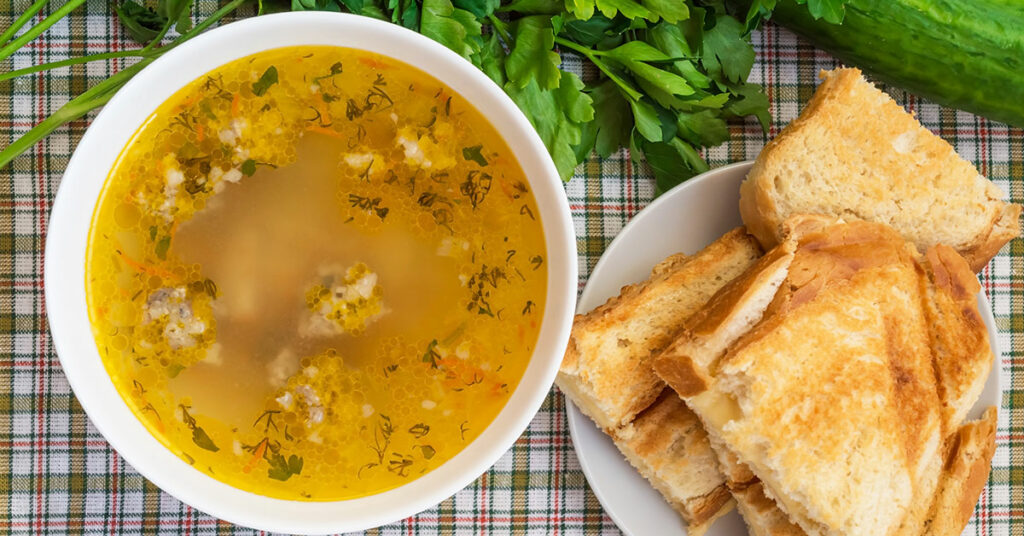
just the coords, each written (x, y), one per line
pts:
(669, 73)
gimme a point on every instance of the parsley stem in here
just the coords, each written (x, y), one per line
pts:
(34, 31)
(159, 37)
(72, 61)
(501, 27)
(22, 20)
(591, 55)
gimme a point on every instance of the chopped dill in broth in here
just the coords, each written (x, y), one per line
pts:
(316, 273)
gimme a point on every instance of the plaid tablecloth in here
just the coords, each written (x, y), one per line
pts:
(58, 475)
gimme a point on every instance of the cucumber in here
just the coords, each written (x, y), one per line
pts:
(966, 54)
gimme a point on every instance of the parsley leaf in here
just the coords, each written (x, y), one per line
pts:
(671, 11)
(534, 7)
(672, 162)
(558, 115)
(669, 38)
(702, 128)
(646, 119)
(454, 28)
(492, 60)
(406, 13)
(480, 8)
(143, 24)
(629, 8)
(531, 57)
(726, 54)
(283, 469)
(749, 100)
(176, 11)
(596, 29)
(831, 10)
(611, 127)
(316, 5)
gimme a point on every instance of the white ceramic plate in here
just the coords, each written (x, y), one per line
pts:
(685, 219)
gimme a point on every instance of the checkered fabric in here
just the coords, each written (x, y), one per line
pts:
(59, 476)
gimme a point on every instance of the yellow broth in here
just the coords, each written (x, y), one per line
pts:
(316, 273)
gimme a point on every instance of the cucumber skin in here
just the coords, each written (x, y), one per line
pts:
(966, 54)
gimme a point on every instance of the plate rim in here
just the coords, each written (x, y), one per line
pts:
(576, 418)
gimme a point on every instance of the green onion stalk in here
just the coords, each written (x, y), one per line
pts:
(99, 94)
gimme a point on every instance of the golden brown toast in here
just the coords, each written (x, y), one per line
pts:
(856, 153)
(606, 370)
(815, 368)
(968, 463)
(667, 444)
(607, 374)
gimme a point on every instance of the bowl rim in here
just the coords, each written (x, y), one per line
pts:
(70, 222)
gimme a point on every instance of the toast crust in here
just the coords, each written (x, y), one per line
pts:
(606, 369)
(762, 515)
(968, 464)
(845, 340)
(607, 373)
(676, 364)
(963, 355)
(880, 165)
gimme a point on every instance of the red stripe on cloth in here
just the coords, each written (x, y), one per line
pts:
(113, 494)
(425, 517)
(57, 523)
(49, 443)
(35, 283)
(482, 504)
(629, 184)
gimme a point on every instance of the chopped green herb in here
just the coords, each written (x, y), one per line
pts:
(266, 80)
(431, 356)
(143, 24)
(174, 369)
(249, 167)
(419, 430)
(473, 154)
(202, 440)
(162, 246)
(281, 468)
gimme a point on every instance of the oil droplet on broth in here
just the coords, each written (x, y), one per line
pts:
(261, 272)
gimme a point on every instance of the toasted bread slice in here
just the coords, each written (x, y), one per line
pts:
(815, 369)
(606, 370)
(963, 354)
(667, 444)
(854, 152)
(762, 515)
(607, 374)
(968, 464)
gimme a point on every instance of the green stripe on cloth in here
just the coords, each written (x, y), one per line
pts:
(58, 475)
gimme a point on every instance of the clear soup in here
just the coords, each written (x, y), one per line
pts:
(316, 273)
